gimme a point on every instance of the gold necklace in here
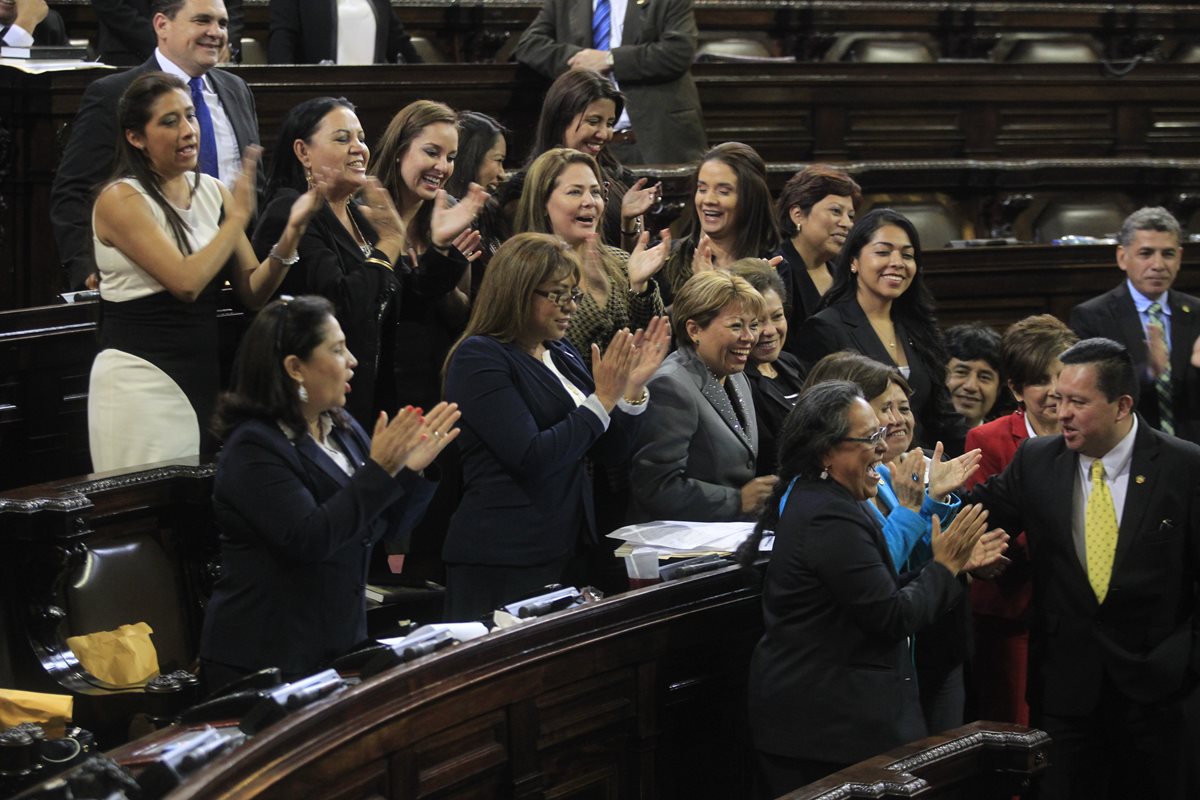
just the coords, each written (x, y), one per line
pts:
(362, 243)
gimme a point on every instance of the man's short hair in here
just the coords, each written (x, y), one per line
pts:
(168, 8)
(1150, 218)
(1115, 375)
(974, 341)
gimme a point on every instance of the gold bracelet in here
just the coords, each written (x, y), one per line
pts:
(640, 401)
(381, 263)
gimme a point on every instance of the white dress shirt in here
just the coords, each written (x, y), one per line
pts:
(356, 25)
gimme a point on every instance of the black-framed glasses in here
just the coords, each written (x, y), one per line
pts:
(561, 298)
(284, 299)
(874, 439)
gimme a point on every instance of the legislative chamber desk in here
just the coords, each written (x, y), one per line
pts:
(790, 112)
(638, 695)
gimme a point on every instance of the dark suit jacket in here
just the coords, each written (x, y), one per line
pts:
(1145, 637)
(1114, 316)
(832, 678)
(844, 326)
(803, 299)
(527, 494)
(305, 32)
(296, 537)
(89, 157)
(652, 65)
(773, 400)
(125, 36)
(50, 32)
(691, 462)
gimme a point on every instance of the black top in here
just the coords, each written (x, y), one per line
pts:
(803, 298)
(773, 399)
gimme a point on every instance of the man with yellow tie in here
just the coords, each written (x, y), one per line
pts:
(1111, 509)
(1158, 324)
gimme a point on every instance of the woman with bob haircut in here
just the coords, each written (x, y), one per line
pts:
(532, 415)
(698, 447)
(879, 306)
(816, 211)
(415, 159)
(579, 113)
(301, 495)
(563, 196)
(166, 238)
(832, 680)
(731, 217)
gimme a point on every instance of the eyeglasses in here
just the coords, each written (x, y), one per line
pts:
(284, 299)
(561, 298)
(874, 439)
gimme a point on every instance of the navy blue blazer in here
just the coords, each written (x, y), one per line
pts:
(527, 493)
(296, 538)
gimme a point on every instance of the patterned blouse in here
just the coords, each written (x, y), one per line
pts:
(593, 324)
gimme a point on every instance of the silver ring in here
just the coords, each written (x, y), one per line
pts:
(438, 435)
(916, 477)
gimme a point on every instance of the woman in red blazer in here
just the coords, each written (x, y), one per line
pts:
(1001, 607)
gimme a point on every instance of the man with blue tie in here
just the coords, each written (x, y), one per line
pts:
(1157, 324)
(1111, 510)
(646, 47)
(191, 35)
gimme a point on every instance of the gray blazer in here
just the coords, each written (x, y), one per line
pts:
(691, 459)
(652, 65)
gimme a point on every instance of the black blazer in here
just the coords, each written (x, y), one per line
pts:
(832, 678)
(296, 538)
(803, 299)
(1114, 316)
(305, 32)
(89, 158)
(125, 35)
(527, 494)
(844, 326)
(1145, 638)
(773, 399)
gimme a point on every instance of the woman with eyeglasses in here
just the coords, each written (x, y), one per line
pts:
(832, 680)
(697, 451)
(302, 494)
(563, 195)
(532, 415)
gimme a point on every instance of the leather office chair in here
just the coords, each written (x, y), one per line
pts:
(429, 52)
(1098, 215)
(253, 52)
(737, 48)
(937, 217)
(884, 48)
(1038, 48)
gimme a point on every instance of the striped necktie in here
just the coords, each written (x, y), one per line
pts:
(1100, 532)
(601, 25)
(1162, 384)
(208, 137)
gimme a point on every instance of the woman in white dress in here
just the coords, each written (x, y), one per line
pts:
(167, 237)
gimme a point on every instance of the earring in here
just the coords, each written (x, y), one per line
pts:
(824, 473)
(853, 270)
(308, 177)
(302, 393)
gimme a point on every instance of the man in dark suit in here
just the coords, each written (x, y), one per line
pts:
(125, 34)
(1157, 324)
(1112, 516)
(191, 35)
(24, 23)
(646, 47)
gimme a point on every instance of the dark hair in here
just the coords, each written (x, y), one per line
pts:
(914, 309)
(168, 8)
(1115, 375)
(568, 97)
(262, 388)
(1030, 345)
(476, 134)
(870, 376)
(300, 123)
(1150, 218)
(133, 114)
(810, 430)
(761, 275)
(757, 232)
(810, 186)
(974, 341)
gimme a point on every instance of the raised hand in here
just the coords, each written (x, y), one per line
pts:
(650, 347)
(946, 476)
(988, 555)
(380, 211)
(645, 262)
(467, 243)
(437, 430)
(394, 440)
(30, 14)
(702, 259)
(310, 202)
(610, 371)
(953, 548)
(244, 194)
(908, 479)
(449, 221)
(756, 492)
(1158, 355)
(638, 199)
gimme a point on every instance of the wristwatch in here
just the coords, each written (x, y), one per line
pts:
(608, 58)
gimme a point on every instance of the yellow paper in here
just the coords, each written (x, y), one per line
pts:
(48, 710)
(124, 657)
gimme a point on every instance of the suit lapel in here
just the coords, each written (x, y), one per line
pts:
(1183, 335)
(864, 335)
(1126, 316)
(580, 22)
(1143, 475)
(1062, 487)
(313, 453)
(632, 29)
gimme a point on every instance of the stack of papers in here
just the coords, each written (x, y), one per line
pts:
(683, 539)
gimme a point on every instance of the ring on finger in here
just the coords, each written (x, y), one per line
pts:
(916, 477)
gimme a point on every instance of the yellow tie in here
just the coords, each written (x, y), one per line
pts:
(1100, 532)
